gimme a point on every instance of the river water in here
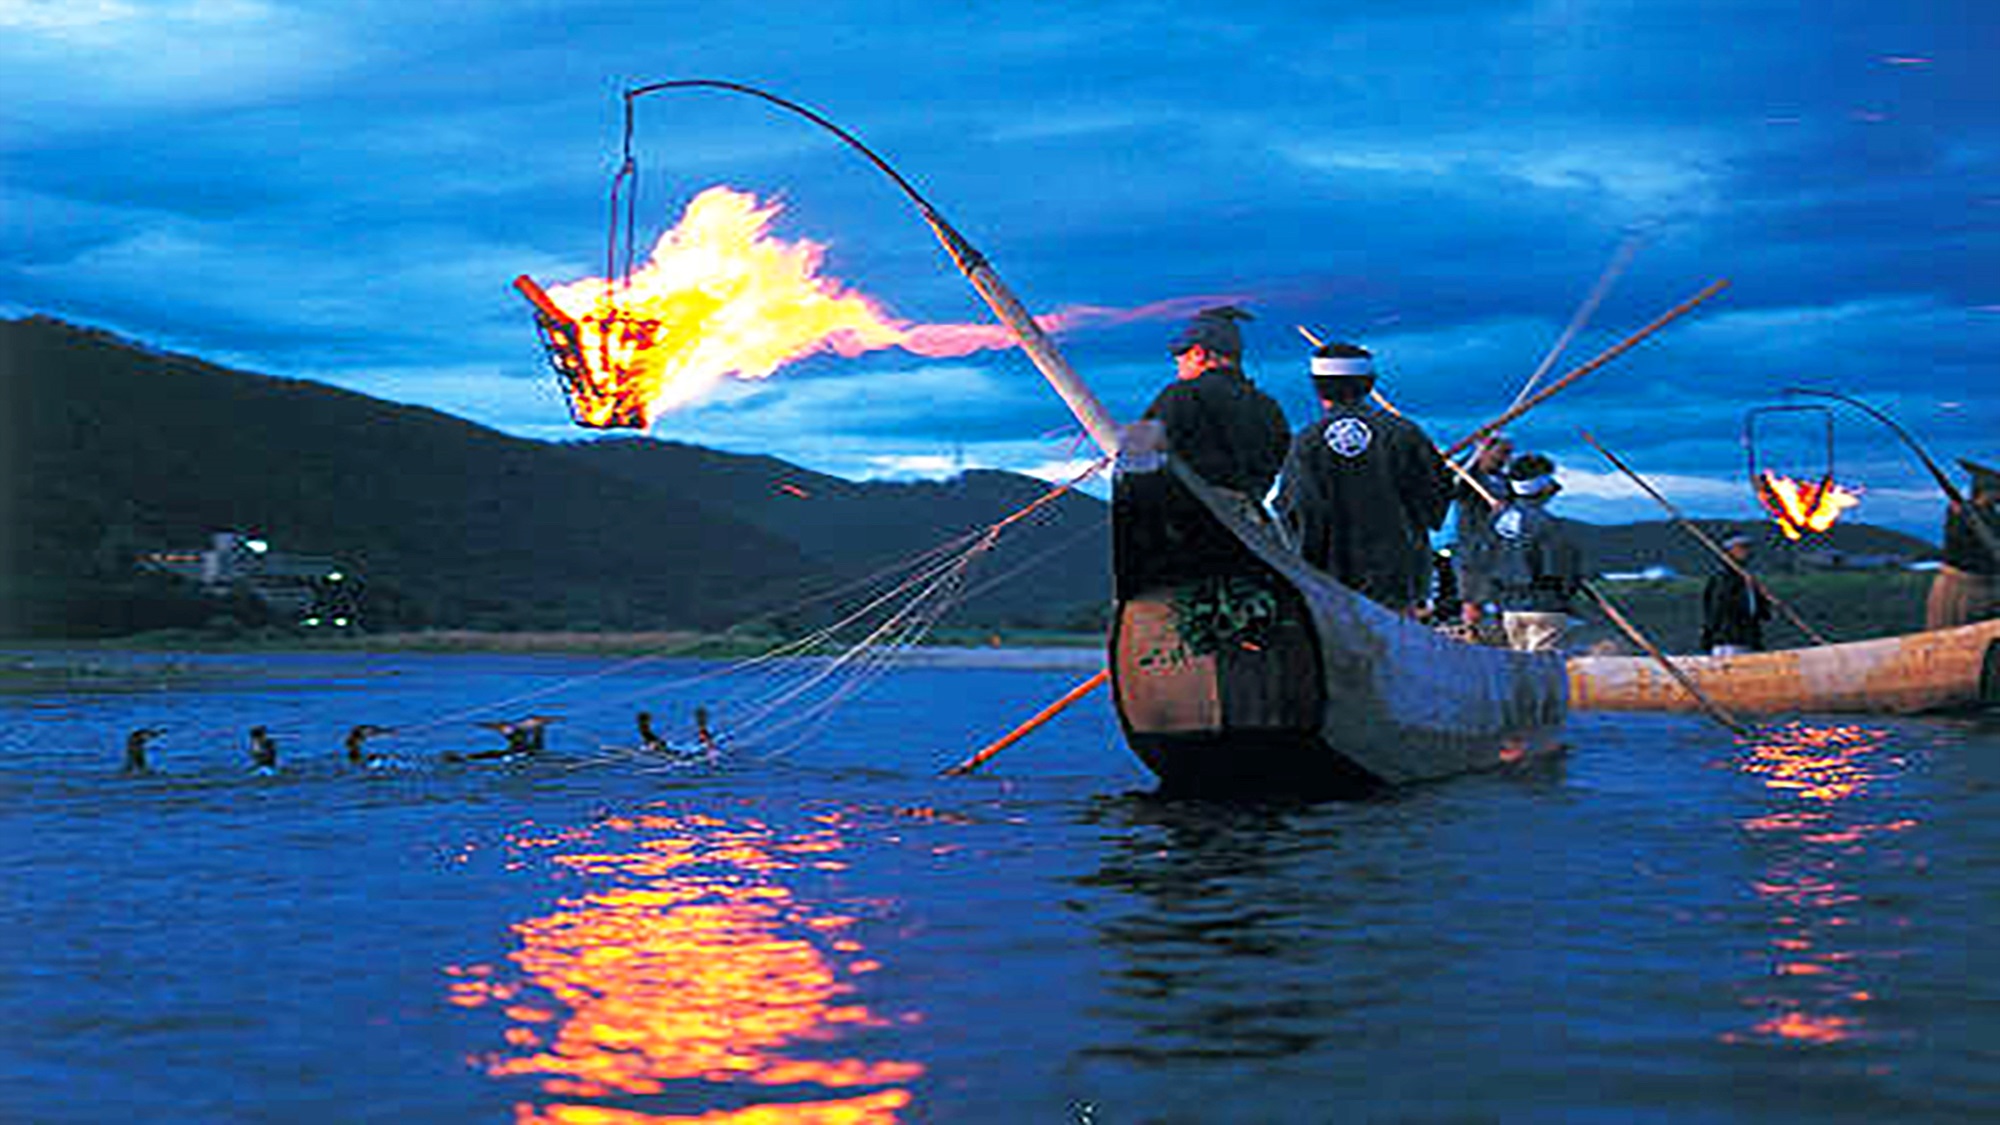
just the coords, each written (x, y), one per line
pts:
(1668, 925)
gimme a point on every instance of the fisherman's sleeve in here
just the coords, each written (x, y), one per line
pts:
(1569, 558)
(1429, 484)
(1275, 446)
(1296, 490)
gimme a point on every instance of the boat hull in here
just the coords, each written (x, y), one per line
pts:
(1342, 695)
(1943, 670)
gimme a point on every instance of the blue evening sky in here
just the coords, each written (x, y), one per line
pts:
(343, 190)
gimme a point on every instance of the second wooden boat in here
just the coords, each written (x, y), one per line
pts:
(1944, 670)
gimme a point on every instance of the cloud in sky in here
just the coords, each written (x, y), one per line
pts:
(342, 191)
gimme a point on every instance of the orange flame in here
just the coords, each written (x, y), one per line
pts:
(720, 298)
(1802, 506)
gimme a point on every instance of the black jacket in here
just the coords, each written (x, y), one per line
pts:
(1962, 548)
(1537, 567)
(1233, 436)
(1362, 490)
(1733, 612)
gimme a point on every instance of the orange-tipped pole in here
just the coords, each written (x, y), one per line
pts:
(544, 304)
(1029, 727)
(1603, 357)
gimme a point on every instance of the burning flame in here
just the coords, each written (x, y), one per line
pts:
(720, 297)
(1802, 506)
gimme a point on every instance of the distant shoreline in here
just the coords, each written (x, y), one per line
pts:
(1001, 650)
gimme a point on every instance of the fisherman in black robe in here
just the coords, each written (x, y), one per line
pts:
(1214, 421)
(1733, 611)
(1363, 487)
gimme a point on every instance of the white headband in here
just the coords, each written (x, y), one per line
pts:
(1343, 365)
(1534, 486)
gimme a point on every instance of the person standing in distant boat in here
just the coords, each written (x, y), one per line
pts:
(1967, 586)
(1363, 487)
(1537, 568)
(1213, 420)
(1733, 611)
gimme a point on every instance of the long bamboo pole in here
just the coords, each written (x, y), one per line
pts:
(1082, 401)
(1604, 357)
(1715, 710)
(1025, 729)
(1626, 250)
(1707, 540)
(1976, 519)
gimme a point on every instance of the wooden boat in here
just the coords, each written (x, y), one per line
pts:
(1944, 670)
(1339, 695)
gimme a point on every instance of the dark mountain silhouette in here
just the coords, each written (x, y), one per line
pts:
(1050, 569)
(1635, 546)
(110, 448)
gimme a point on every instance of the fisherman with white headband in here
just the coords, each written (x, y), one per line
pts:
(1537, 568)
(1363, 487)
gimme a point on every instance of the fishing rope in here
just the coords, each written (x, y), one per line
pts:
(909, 625)
(933, 582)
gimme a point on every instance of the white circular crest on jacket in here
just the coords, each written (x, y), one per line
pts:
(1348, 437)
(1507, 524)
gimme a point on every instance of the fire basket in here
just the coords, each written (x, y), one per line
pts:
(584, 388)
(1797, 505)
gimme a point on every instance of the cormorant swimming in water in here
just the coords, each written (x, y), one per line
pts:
(703, 735)
(263, 750)
(650, 739)
(358, 735)
(135, 749)
(525, 737)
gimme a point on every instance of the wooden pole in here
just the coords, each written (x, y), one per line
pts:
(1604, 357)
(1097, 421)
(1619, 261)
(544, 304)
(1618, 618)
(1707, 541)
(1025, 729)
(1975, 519)
(1076, 394)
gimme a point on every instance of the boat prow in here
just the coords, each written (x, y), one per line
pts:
(1339, 694)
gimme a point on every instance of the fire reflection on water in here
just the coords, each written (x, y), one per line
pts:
(694, 965)
(1816, 844)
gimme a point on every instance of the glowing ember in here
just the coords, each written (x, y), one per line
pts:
(1802, 506)
(722, 298)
